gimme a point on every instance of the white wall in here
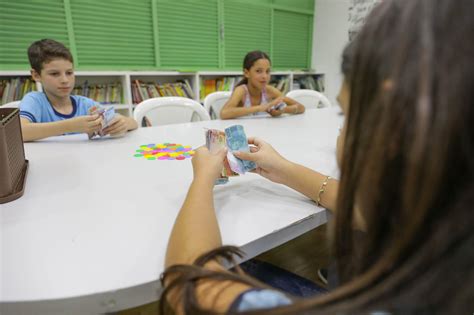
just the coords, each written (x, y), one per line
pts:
(330, 35)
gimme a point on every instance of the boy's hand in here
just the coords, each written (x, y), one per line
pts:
(117, 126)
(86, 124)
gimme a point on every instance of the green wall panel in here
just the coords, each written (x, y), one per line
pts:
(296, 4)
(292, 40)
(113, 33)
(247, 28)
(188, 33)
(159, 34)
(23, 22)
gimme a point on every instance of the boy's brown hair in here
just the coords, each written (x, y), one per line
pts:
(44, 51)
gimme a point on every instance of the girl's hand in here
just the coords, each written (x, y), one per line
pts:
(270, 164)
(276, 112)
(268, 106)
(265, 108)
(207, 165)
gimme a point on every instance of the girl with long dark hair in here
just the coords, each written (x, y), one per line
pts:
(407, 177)
(254, 96)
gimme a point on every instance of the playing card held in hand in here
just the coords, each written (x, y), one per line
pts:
(107, 114)
(234, 139)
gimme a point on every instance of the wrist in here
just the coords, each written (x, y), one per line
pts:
(291, 109)
(204, 180)
(69, 126)
(287, 169)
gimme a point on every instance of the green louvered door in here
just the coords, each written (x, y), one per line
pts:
(23, 22)
(292, 40)
(113, 34)
(188, 34)
(247, 27)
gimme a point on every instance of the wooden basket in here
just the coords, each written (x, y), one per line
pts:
(13, 165)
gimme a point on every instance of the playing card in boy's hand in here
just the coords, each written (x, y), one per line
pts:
(107, 114)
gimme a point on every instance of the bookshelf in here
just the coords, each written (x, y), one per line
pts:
(307, 80)
(122, 95)
(144, 85)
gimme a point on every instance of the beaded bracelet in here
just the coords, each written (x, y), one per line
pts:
(322, 189)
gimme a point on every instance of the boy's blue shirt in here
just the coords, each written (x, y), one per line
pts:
(36, 108)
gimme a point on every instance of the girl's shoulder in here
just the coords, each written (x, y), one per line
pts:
(272, 91)
(240, 90)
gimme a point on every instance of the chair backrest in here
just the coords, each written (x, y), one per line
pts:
(214, 102)
(169, 110)
(309, 98)
(14, 104)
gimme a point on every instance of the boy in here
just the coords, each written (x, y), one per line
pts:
(55, 111)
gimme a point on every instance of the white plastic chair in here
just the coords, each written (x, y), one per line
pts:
(14, 104)
(169, 110)
(214, 102)
(309, 98)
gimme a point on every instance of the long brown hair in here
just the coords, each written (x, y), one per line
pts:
(407, 165)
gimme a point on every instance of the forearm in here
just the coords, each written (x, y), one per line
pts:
(308, 182)
(36, 131)
(195, 230)
(294, 109)
(234, 112)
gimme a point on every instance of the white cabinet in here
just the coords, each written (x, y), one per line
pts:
(124, 89)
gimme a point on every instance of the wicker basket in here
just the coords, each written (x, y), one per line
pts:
(13, 166)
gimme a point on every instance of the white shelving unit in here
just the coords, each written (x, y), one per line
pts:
(125, 78)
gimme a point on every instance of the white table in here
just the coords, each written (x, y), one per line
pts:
(90, 233)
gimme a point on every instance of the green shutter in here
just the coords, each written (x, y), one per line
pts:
(23, 22)
(291, 40)
(159, 34)
(188, 33)
(247, 28)
(295, 4)
(114, 34)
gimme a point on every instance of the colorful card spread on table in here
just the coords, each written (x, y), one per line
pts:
(164, 151)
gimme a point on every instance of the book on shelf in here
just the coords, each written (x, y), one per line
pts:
(209, 86)
(15, 88)
(311, 82)
(281, 83)
(110, 93)
(145, 90)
